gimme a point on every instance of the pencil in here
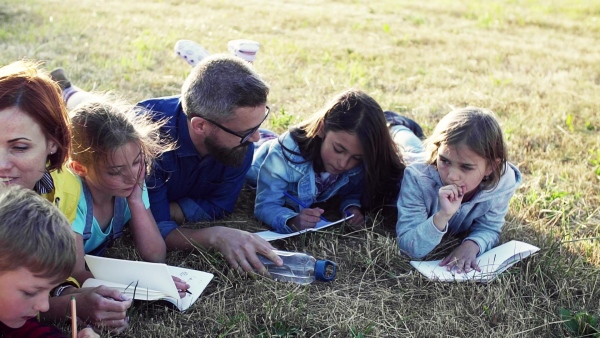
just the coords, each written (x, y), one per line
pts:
(186, 291)
(73, 317)
(301, 204)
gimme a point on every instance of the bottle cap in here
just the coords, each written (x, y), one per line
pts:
(321, 272)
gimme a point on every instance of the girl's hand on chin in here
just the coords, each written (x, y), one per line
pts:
(136, 193)
(450, 198)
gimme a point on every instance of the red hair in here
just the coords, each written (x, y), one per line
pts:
(25, 86)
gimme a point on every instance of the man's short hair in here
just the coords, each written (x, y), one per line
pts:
(219, 84)
(34, 235)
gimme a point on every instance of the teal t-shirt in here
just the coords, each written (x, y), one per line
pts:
(97, 235)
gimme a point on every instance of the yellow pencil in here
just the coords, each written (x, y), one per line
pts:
(73, 317)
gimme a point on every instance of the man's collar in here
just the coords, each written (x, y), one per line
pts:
(185, 144)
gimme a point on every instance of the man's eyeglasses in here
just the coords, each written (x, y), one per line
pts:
(246, 136)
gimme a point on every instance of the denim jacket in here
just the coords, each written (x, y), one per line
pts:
(482, 216)
(272, 174)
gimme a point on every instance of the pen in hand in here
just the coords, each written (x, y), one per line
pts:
(301, 204)
(183, 287)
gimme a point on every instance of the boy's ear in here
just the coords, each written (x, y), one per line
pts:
(78, 168)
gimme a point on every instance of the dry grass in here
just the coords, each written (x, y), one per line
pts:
(536, 64)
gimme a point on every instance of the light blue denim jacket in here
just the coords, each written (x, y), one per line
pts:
(482, 216)
(272, 174)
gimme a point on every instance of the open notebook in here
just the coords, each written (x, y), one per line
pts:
(272, 235)
(492, 263)
(153, 280)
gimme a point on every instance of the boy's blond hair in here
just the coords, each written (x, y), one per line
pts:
(34, 235)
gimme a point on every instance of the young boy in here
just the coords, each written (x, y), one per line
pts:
(37, 252)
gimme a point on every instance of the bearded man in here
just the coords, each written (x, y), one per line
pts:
(213, 123)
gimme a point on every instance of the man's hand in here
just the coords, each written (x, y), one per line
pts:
(240, 249)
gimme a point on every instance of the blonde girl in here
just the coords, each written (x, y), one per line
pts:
(112, 147)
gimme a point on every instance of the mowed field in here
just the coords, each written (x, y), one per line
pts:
(536, 64)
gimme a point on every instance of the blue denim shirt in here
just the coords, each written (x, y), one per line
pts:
(204, 188)
(272, 174)
(482, 216)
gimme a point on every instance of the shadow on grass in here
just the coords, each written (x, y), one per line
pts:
(376, 292)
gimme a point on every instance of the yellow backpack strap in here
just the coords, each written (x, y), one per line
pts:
(71, 282)
(67, 190)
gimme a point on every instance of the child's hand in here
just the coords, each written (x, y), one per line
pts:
(450, 198)
(358, 221)
(181, 286)
(103, 307)
(87, 333)
(307, 218)
(463, 258)
(136, 194)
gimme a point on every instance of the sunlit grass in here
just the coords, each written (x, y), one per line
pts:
(536, 64)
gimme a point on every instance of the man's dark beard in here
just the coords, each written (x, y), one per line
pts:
(231, 157)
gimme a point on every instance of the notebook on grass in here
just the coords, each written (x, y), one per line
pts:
(272, 235)
(145, 280)
(491, 263)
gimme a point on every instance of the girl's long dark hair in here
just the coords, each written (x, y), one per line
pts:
(356, 113)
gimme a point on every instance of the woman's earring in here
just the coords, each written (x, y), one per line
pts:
(51, 153)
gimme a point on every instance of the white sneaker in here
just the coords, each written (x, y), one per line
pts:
(246, 49)
(190, 51)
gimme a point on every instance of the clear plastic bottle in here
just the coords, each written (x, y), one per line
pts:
(299, 268)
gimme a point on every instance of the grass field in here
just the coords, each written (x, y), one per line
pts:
(536, 64)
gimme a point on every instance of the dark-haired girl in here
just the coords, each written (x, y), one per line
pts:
(344, 150)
